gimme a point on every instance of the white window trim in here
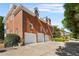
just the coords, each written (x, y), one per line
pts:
(31, 26)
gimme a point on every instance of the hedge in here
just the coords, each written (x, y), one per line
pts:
(11, 39)
(58, 39)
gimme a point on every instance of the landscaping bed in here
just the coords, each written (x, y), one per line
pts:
(70, 49)
(1, 45)
(58, 39)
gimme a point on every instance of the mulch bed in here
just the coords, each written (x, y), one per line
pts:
(1, 44)
(70, 49)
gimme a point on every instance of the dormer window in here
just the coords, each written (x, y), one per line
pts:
(31, 26)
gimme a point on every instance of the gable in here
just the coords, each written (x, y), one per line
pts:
(18, 8)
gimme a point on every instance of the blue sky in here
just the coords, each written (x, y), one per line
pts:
(53, 11)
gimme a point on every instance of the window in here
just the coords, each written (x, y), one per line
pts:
(31, 26)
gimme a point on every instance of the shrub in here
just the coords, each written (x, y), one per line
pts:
(11, 39)
(58, 39)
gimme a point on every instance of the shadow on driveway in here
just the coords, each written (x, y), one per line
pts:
(70, 49)
(2, 50)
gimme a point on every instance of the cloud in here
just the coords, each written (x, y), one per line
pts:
(45, 10)
(52, 5)
(50, 8)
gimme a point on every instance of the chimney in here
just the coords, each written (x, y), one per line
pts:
(36, 12)
(12, 5)
(48, 20)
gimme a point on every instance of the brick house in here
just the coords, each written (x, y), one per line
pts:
(27, 25)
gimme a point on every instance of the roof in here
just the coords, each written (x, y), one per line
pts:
(12, 7)
(14, 10)
(20, 7)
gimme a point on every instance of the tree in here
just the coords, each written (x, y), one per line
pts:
(56, 32)
(71, 19)
(1, 28)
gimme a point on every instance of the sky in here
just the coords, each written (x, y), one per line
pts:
(54, 11)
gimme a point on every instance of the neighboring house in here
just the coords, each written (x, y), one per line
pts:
(27, 25)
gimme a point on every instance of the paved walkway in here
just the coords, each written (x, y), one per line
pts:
(37, 49)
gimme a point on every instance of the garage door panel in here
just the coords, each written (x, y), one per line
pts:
(40, 37)
(47, 37)
(30, 38)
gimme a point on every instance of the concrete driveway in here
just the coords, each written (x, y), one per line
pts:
(36, 49)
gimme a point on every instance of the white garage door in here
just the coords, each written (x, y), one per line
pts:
(40, 37)
(30, 38)
(47, 37)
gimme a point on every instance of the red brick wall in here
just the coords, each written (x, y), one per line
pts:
(22, 22)
(17, 24)
(9, 26)
(30, 19)
(36, 24)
